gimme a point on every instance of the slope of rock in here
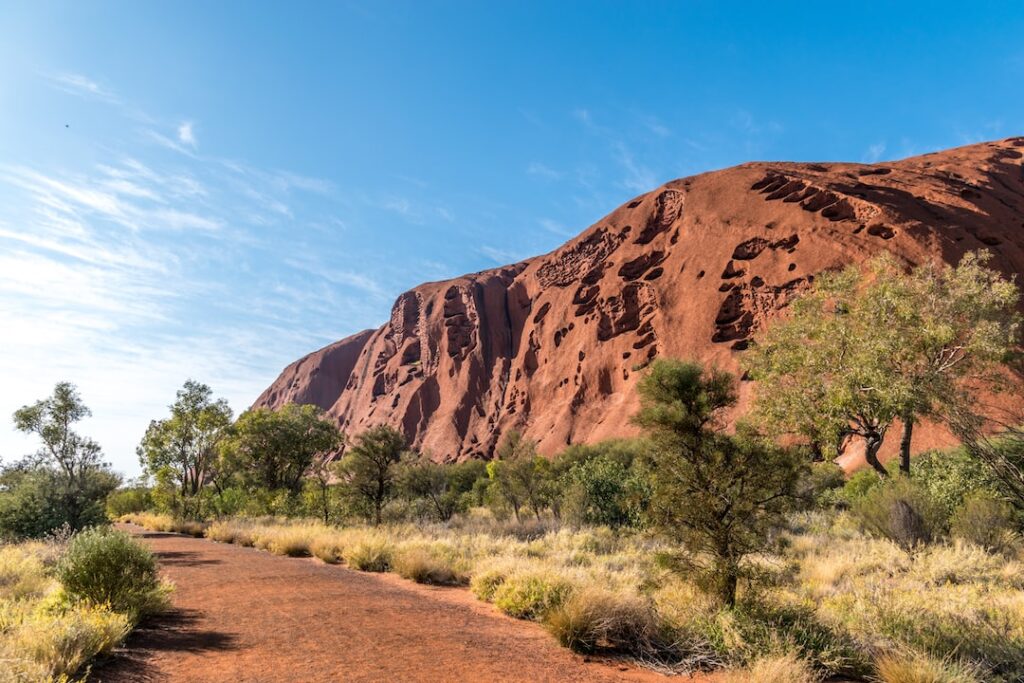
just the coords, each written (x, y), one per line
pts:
(553, 345)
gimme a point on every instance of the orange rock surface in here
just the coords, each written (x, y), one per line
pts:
(554, 345)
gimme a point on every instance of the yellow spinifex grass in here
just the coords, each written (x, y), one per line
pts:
(41, 637)
(833, 601)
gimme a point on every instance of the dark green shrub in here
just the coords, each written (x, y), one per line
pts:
(106, 567)
(984, 520)
(128, 500)
(951, 476)
(857, 486)
(902, 511)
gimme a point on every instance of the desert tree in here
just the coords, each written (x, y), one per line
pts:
(370, 468)
(182, 448)
(866, 348)
(520, 476)
(67, 477)
(278, 449)
(720, 495)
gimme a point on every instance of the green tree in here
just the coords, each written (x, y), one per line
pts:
(370, 467)
(863, 349)
(520, 476)
(277, 449)
(445, 486)
(718, 494)
(66, 479)
(183, 447)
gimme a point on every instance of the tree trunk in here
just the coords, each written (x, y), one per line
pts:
(908, 434)
(871, 447)
(727, 586)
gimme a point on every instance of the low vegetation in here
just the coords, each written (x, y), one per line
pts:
(63, 603)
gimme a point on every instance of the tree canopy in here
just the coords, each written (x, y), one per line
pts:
(865, 348)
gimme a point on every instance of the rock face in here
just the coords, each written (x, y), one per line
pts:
(554, 345)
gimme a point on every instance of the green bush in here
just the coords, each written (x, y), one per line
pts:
(531, 595)
(107, 567)
(902, 511)
(951, 476)
(984, 520)
(129, 500)
(858, 485)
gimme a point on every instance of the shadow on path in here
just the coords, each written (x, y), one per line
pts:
(175, 631)
(183, 558)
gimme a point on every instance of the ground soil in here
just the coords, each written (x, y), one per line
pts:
(240, 614)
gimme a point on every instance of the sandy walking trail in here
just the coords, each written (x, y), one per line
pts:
(245, 615)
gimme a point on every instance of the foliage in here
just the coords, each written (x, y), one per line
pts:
(446, 486)
(35, 499)
(601, 490)
(520, 477)
(370, 468)
(720, 495)
(125, 500)
(181, 451)
(901, 511)
(985, 521)
(275, 449)
(65, 482)
(106, 567)
(863, 349)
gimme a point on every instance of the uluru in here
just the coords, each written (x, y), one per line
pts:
(553, 345)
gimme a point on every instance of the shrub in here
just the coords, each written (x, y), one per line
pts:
(859, 485)
(951, 476)
(984, 521)
(901, 511)
(370, 554)
(106, 567)
(423, 566)
(914, 667)
(531, 594)
(128, 500)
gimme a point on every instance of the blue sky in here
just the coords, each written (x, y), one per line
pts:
(211, 190)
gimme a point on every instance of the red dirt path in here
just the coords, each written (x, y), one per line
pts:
(245, 615)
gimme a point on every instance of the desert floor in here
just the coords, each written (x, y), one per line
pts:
(245, 615)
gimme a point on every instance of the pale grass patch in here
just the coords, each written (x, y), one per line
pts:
(787, 668)
(914, 667)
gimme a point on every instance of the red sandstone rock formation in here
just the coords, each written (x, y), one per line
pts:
(553, 345)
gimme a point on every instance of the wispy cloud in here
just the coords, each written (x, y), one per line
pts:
(187, 134)
(129, 276)
(874, 153)
(77, 84)
(541, 170)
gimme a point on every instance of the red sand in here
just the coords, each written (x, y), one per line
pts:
(245, 615)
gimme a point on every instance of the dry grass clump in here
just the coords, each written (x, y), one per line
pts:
(914, 667)
(532, 593)
(327, 547)
(594, 618)
(370, 553)
(166, 523)
(292, 540)
(427, 565)
(61, 642)
(231, 531)
(786, 668)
